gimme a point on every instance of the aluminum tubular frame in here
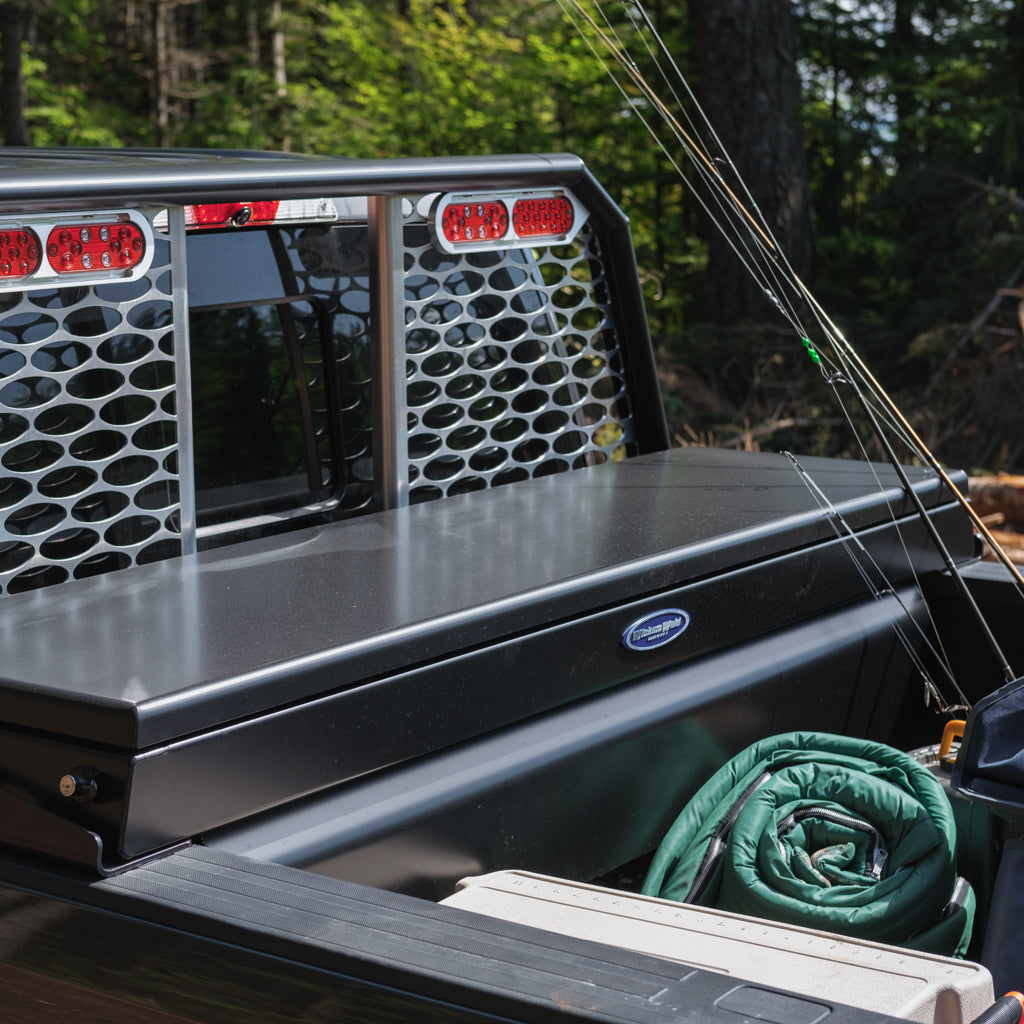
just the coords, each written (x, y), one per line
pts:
(387, 327)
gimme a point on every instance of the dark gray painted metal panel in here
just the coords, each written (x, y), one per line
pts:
(158, 652)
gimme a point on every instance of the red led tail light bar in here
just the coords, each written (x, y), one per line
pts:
(543, 218)
(469, 222)
(79, 248)
(20, 253)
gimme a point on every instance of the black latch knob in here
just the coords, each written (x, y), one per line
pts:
(79, 785)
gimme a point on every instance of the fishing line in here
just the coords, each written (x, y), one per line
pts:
(773, 253)
(899, 532)
(742, 218)
(837, 519)
(740, 243)
(936, 538)
(708, 164)
(760, 222)
(733, 223)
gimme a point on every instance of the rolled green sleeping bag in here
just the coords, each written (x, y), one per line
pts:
(826, 832)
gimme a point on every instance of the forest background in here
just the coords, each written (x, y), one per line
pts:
(885, 140)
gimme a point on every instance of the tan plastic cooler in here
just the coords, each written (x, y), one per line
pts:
(888, 979)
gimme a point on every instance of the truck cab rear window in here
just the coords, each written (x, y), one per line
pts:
(258, 398)
(262, 339)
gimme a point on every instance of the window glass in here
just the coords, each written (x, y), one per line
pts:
(254, 370)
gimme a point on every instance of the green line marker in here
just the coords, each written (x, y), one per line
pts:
(811, 351)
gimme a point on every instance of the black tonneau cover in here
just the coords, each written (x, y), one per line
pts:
(350, 647)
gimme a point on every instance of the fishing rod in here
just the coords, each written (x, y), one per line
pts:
(768, 264)
(934, 534)
(751, 215)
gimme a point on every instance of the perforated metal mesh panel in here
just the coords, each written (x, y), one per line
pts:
(514, 369)
(88, 430)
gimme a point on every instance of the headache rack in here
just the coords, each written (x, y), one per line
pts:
(412, 365)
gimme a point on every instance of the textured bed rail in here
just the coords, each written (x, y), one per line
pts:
(434, 952)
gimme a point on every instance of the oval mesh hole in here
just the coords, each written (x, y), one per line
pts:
(531, 450)
(97, 383)
(465, 387)
(29, 392)
(98, 445)
(27, 328)
(64, 419)
(441, 416)
(67, 481)
(466, 438)
(530, 401)
(14, 554)
(30, 520)
(127, 409)
(31, 457)
(125, 348)
(489, 408)
(155, 437)
(12, 427)
(96, 565)
(13, 491)
(10, 362)
(488, 459)
(152, 314)
(60, 358)
(99, 507)
(37, 578)
(423, 445)
(131, 530)
(161, 495)
(91, 321)
(154, 376)
(68, 544)
(445, 468)
(132, 469)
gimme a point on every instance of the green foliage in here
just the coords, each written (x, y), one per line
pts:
(913, 113)
(433, 80)
(79, 84)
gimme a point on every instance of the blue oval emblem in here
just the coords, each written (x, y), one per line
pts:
(656, 629)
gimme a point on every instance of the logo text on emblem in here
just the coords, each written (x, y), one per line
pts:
(656, 629)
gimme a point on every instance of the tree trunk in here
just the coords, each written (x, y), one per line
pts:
(749, 86)
(163, 28)
(12, 77)
(903, 46)
(280, 76)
